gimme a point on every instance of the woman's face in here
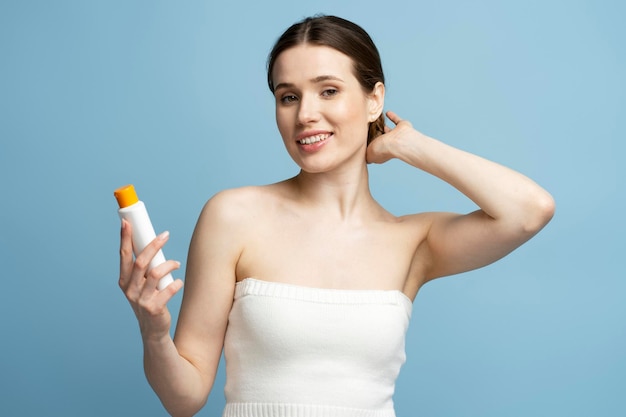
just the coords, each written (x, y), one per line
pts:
(322, 111)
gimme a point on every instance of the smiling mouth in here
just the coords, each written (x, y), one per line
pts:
(314, 139)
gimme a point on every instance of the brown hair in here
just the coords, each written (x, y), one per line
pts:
(347, 38)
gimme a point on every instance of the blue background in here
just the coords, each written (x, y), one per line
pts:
(171, 96)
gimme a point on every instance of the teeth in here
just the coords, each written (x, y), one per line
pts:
(314, 139)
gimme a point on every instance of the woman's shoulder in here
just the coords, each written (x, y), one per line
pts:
(243, 202)
(247, 194)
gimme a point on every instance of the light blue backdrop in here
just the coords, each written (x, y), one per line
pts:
(171, 96)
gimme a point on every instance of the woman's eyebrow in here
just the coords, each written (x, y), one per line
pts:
(323, 78)
(316, 80)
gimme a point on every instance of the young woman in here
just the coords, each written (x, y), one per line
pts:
(307, 284)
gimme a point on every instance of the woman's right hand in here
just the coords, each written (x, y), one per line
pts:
(140, 284)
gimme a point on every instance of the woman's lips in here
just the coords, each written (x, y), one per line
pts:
(312, 141)
(308, 140)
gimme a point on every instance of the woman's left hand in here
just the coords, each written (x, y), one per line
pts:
(385, 146)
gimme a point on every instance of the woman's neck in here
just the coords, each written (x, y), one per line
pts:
(341, 194)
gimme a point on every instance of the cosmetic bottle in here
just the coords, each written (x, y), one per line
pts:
(134, 211)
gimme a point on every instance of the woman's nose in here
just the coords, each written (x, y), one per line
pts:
(308, 111)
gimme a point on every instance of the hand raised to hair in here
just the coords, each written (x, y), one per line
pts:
(385, 147)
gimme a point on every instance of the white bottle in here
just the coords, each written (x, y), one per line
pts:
(134, 211)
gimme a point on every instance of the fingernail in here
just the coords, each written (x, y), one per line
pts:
(164, 235)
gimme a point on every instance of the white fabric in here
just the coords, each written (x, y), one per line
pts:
(294, 351)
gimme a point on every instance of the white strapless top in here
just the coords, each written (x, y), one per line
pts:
(294, 351)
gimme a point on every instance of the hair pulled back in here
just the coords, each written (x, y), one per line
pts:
(347, 38)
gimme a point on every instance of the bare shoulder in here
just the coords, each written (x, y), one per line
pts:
(419, 222)
(225, 201)
(420, 225)
(238, 211)
(409, 229)
(237, 205)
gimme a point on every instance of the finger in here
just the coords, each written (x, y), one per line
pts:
(126, 253)
(393, 117)
(142, 261)
(166, 294)
(155, 274)
(154, 307)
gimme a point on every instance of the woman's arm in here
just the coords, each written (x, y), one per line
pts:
(182, 370)
(512, 207)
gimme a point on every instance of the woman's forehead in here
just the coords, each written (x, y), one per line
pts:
(308, 62)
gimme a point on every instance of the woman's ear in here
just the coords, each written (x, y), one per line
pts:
(376, 101)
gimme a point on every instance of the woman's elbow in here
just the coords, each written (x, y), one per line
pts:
(185, 410)
(540, 212)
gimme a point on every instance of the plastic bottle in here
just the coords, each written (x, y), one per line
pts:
(134, 211)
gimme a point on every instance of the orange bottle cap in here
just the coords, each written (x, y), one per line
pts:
(126, 196)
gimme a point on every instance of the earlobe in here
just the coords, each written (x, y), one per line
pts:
(376, 101)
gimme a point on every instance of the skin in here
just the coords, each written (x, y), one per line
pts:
(321, 228)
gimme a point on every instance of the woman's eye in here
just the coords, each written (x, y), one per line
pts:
(329, 92)
(288, 99)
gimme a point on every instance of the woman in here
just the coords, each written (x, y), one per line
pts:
(307, 284)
